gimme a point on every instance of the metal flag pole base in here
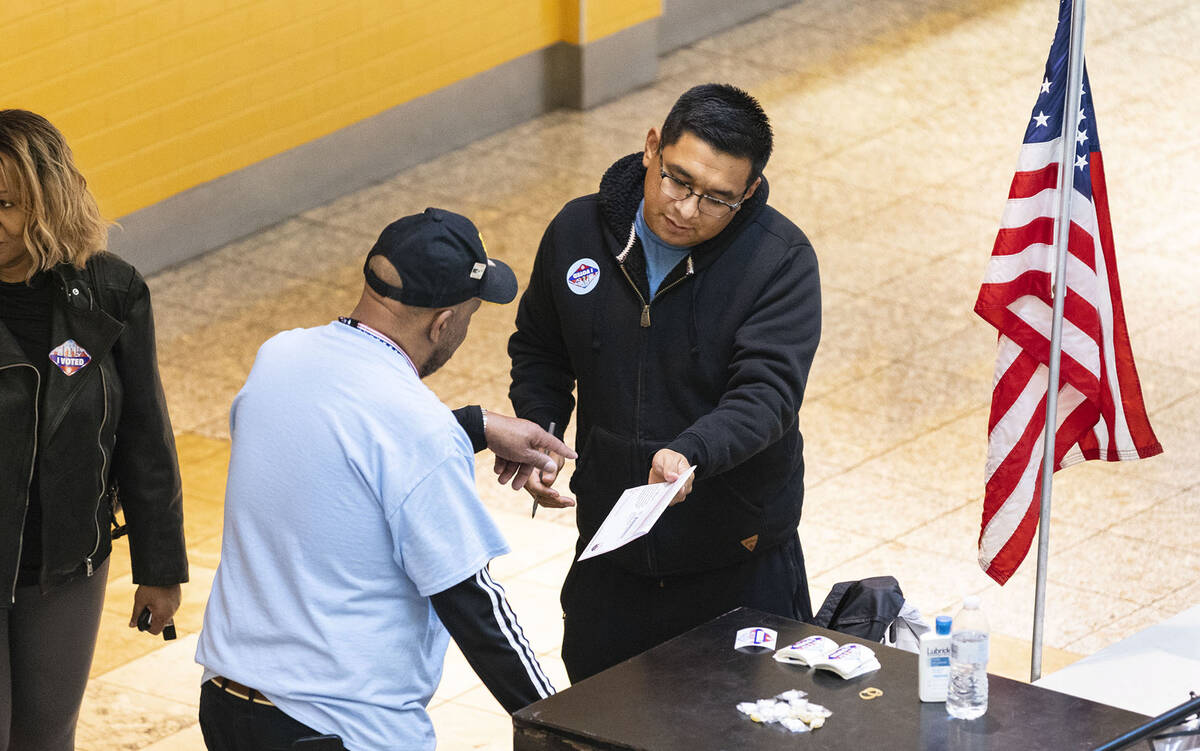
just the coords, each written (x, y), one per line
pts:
(1066, 188)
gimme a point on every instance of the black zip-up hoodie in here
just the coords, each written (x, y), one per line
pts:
(714, 367)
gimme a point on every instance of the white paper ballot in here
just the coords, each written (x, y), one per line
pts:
(634, 514)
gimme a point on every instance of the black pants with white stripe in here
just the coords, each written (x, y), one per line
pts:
(611, 614)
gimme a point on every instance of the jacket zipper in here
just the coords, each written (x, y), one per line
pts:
(12, 593)
(645, 323)
(637, 397)
(103, 473)
(663, 291)
(641, 299)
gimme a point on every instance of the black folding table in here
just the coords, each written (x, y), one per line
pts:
(683, 695)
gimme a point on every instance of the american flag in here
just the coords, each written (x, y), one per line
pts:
(1100, 409)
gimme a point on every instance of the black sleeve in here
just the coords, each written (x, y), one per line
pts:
(477, 615)
(542, 376)
(471, 420)
(144, 460)
(772, 353)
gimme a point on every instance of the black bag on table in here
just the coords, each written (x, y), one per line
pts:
(863, 608)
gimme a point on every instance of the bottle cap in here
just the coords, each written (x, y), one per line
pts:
(971, 602)
(942, 624)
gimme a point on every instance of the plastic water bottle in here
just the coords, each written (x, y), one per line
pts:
(968, 695)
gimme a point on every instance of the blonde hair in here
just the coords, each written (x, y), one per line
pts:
(62, 221)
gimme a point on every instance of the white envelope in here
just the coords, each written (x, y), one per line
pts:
(634, 515)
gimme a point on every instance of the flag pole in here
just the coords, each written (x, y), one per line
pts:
(1066, 174)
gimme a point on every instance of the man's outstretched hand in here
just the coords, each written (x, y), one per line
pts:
(521, 448)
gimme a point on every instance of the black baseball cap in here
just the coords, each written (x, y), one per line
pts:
(441, 259)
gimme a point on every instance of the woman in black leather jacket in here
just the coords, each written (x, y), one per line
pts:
(83, 422)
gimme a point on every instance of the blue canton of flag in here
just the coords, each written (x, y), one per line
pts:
(1046, 123)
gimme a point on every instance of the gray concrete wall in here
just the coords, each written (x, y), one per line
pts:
(586, 76)
(685, 21)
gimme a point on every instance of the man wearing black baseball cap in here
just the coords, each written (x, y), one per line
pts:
(442, 261)
(426, 277)
(355, 543)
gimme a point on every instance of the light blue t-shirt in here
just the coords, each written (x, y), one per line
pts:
(351, 499)
(660, 257)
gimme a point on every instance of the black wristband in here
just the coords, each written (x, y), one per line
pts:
(471, 419)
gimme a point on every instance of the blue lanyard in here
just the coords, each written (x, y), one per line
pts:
(359, 325)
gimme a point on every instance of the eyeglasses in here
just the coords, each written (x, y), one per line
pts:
(678, 190)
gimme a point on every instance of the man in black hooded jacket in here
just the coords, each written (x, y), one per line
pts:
(686, 312)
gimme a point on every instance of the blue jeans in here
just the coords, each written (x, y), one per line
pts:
(230, 723)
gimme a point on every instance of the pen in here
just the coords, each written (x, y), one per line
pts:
(549, 430)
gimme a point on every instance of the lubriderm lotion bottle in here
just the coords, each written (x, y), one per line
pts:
(933, 672)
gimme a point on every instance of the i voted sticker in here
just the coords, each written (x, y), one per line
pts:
(69, 357)
(755, 639)
(582, 276)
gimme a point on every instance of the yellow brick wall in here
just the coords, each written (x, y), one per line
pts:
(157, 96)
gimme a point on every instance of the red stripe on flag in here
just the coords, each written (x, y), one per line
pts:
(1014, 550)
(1129, 385)
(1012, 553)
(1008, 474)
(1013, 240)
(1082, 246)
(1028, 184)
(994, 299)
(1009, 387)
(1001, 486)
(1034, 342)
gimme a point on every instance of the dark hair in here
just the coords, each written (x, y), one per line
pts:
(727, 119)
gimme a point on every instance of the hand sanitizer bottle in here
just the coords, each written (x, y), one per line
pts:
(933, 672)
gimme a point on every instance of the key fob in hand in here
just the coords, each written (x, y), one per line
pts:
(143, 624)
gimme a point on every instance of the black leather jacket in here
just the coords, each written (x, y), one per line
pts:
(104, 425)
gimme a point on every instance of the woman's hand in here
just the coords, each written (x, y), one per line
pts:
(162, 601)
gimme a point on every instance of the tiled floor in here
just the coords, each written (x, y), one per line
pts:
(897, 124)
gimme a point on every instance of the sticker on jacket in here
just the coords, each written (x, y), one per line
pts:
(582, 276)
(69, 357)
